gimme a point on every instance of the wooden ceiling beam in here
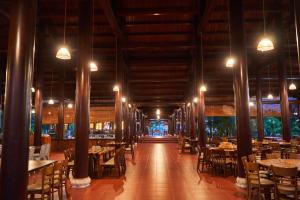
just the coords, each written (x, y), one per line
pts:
(158, 46)
(157, 11)
(110, 15)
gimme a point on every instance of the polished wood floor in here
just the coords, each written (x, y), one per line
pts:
(160, 172)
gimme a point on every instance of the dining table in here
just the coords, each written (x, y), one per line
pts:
(284, 163)
(96, 154)
(35, 165)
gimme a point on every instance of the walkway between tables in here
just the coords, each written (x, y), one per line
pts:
(160, 172)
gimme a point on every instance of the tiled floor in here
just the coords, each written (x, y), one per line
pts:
(160, 172)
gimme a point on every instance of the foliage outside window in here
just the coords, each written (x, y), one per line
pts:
(223, 126)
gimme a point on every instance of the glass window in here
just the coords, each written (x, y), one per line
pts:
(222, 126)
(272, 120)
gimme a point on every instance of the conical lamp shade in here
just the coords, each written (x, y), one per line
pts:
(51, 102)
(93, 67)
(270, 96)
(230, 62)
(63, 53)
(203, 88)
(265, 44)
(292, 86)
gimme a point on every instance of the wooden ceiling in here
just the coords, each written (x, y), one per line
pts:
(158, 41)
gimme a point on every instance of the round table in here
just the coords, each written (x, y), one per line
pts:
(280, 163)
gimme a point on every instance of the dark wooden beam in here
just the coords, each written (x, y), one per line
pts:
(110, 15)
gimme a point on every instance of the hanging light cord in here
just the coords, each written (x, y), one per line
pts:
(264, 17)
(289, 53)
(93, 28)
(297, 35)
(65, 22)
(269, 78)
(229, 27)
(117, 60)
(51, 82)
(201, 39)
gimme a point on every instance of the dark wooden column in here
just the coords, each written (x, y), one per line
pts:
(241, 88)
(192, 120)
(82, 101)
(182, 130)
(118, 97)
(201, 119)
(61, 106)
(38, 107)
(187, 120)
(126, 122)
(281, 65)
(297, 25)
(259, 109)
(20, 61)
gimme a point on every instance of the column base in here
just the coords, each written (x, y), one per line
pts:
(80, 182)
(241, 182)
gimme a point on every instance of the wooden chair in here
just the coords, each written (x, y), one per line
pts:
(42, 187)
(219, 161)
(294, 156)
(129, 148)
(201, 156)
(117, 162)
(69, 155)
(255, 181)
(57, 180)
(185, 146)
(275, 155)
(285, 179)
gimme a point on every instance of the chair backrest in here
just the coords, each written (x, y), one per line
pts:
(252, 158)
(31, 153)
(47, 150)
(58, 170)
(275, 155)
(244, 161)
(294, 156)
(47, 178)
(252, 172)
(285, 177)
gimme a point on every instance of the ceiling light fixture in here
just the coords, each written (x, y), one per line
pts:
(93, 66)
(265, 44)
(32, 89)
(64, 53)
(123, 99)
(195, 100)
(116, 88)
(251, 104)
(158, 112)
(70, 105)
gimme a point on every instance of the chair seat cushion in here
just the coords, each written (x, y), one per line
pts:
(263, 182)
(36, 187)
(287, 189)
(110, 162)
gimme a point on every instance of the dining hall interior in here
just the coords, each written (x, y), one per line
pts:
(141, 99)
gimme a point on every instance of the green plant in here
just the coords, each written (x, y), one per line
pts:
(272, 126)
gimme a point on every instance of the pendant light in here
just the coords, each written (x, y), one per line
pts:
(270, 96)
(230, 61)
(93, 65)
(64, 53)
(292, 85)
(51, 101)
(202, 86)
(265, 44)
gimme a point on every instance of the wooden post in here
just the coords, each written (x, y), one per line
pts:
(118, 96)
(38, 107)
(61, 107)
(20, 61)
(201, 119)
(241, 88)
(281, 66)
(259, 109)
(82, 101)
(192, 120)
